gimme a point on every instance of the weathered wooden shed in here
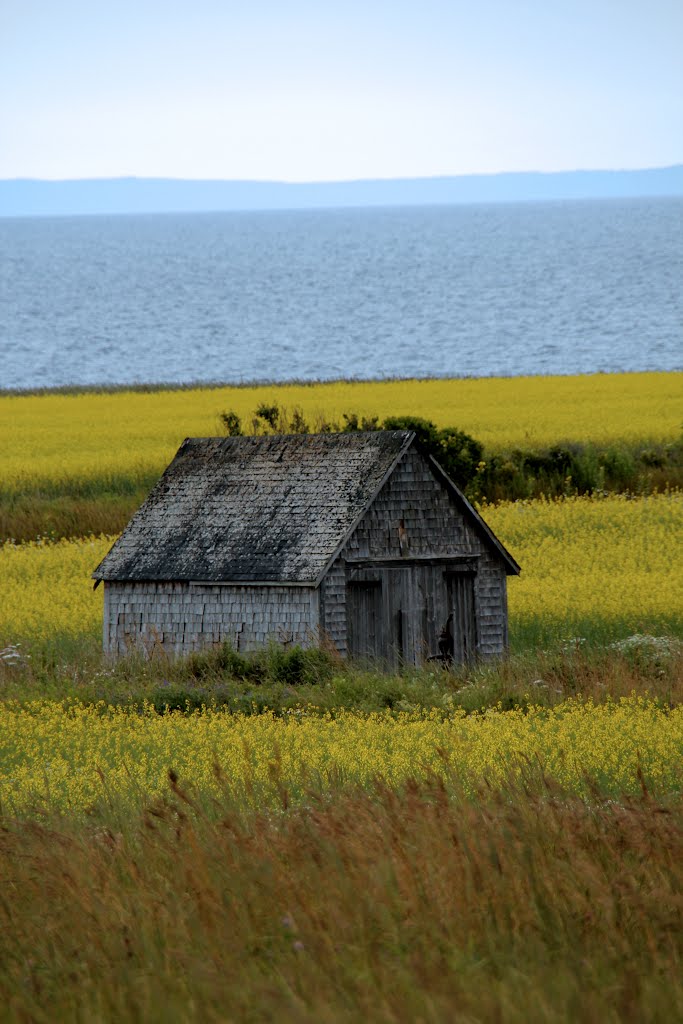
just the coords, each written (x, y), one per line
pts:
(356, 540)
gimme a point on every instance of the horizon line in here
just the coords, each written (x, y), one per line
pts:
(341, 181)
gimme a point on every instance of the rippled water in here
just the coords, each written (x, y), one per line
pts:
(564, 287)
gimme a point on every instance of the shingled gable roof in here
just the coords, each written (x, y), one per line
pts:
(273, 509)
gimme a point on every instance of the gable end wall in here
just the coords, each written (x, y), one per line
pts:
(412, 516)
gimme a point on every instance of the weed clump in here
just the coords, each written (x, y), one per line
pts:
(293, 666)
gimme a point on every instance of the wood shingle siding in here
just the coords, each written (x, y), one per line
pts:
(183, 617)
(356, 540)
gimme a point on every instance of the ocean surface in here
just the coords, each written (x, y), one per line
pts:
(507, 289)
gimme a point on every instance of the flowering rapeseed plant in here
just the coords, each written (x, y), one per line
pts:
(603, 567)
(72, 758)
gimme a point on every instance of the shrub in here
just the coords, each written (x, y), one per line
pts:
(270, 414)
(459, 454)
(560, 470)
(352, 423)
(586, 474)
(231, 423)
(620, 468)
(652, 458)
(292, 667)
(426, 433)
(297, 423)
(298, 666)
(223, 660)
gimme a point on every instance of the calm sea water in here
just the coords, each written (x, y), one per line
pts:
(563, 287)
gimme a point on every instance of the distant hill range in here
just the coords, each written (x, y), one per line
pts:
(24, 197)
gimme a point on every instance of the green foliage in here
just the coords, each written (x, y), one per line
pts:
(353, 423)
(272, 419)
(576, 469)
(619, 467)
(292, 666)
(298, 667)
(76, 508)
(297, 422)
(270, 414)
(652, 458)
(459, 454)
(231, 423)
(562, 469)
(219, 661)
(281, 681)
(426, 432)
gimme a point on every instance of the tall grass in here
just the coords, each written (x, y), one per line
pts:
(382, 904)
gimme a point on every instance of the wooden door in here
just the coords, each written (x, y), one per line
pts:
(364, 619)
(462, 616)
(408, 616)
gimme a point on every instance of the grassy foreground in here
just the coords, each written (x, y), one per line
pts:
(322, 865)
(384, 904)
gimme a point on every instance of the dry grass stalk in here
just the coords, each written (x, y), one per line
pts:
(385, 905)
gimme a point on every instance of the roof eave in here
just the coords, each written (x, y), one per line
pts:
(193, 582)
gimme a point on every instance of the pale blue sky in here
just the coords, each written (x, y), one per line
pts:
(302, 90)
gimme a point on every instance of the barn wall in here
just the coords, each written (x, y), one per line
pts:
(333, 607)
(414, 516)
(181, 618)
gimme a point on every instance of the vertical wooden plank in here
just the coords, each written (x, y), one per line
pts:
(106, 637)
(400, 636)
(394, 624)
(461, 592)
(461, 607)
(407, 609)
(371, 619)
(417, 636)
(504, 608)
(471, 619)
(435, 603)
(425, 647)
(420, 615)
(364, 617)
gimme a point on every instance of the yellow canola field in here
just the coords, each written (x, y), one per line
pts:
(46, 591)
(67, 440)
(613, 561)
(76, 758)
